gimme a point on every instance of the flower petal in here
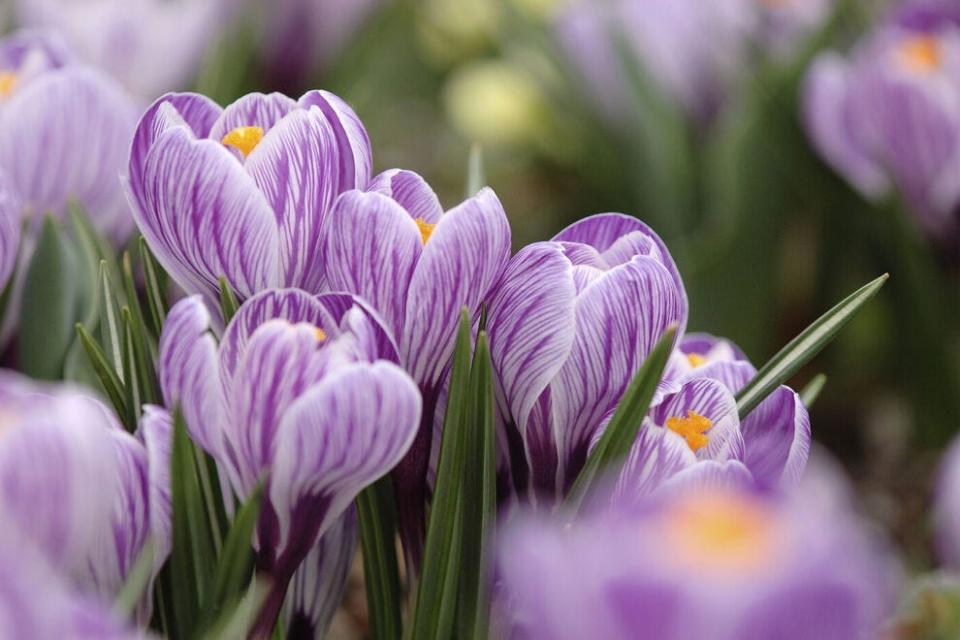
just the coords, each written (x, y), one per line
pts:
(712, 400)
(252, 110)
(204, 215)
(384, 345)
(355, 154)
(371, 249)
(657, 455)
(10, 228)
(411, 192)
(460, 263)
(777, 438)
(156, 431)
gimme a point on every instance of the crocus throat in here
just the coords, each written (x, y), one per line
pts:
(320, 334)
(8, 82)
(696, 360)
(244, 139)
(691, 428)
(920, 53)
(426, 229)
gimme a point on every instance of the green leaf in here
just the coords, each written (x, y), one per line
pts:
(804, 347)
(437, 595)
(476, 178)
(228, 301)
(621, 431)
(153, 280)
(237, 622)
(92, 248)
(49, 308)
(235, 563)
(380, 570)
(812, 391)
(479, 489)
(111, 331)
(134, 393)
(137, 580)
(106, 373)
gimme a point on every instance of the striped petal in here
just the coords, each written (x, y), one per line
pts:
(156, 431)
(777, 438)
(188, 372)
(372, 247)
(252, 110)
(713, 401)
(460, 263)
(10, 212)
(710, 475)
(411, 192)
(355, 154)
(345, 433)
(384, 346)
(203, 213)
(657, 455)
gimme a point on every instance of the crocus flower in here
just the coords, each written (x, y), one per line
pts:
(701, 561)
(417, 266)
(151, 46)
(296, 391)
(243, 192)
(886, 116)
(570, 323)
(65, 131)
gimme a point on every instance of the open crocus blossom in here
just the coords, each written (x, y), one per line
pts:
(296, 392)
(887, 116)
(65, 131)
(717, 561)
(243, 192)
(570, 323)
(87, 494)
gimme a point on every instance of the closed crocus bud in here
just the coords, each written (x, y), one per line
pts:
(704, 560)
(886, 116)
(570, 323)
(65, 132)
(151, 46)
(297, 392)
(243, 192)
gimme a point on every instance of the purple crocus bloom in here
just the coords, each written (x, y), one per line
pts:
(717, 561)
(570, 323)
(151, 46)
(297, 391)
(243, 192)
(887, 115)
(65, 130)
(393, 246)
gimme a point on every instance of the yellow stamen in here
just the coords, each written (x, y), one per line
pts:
(696, 360)
(321, 334)
(8, 82)
(920, 53)
(245, 139)
(691, 428)
(426, 229)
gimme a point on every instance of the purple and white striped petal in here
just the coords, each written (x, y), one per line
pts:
(371, 249)
(189, 374)
(411, 192)
(203, 211)
(710, 475)
(10, 212)
(713, 401)
(318, 585)
(355, 154)
(462, 260)
(657, 455)
(156, 432)
(777, 438)
(252, 110)
(384, 346)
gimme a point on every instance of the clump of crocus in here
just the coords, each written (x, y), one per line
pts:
(886, 118)
(709, 560)
(65, 132)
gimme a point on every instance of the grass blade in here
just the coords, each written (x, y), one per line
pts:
(812, 391)
(106, 373)
(228, 301)
(475, 173)
(137, 580)
(154, 285)
(111, 332)
(235, 562)
(804, 347)
(380, 569)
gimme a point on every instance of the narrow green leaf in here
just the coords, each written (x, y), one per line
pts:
(380, 569)
(153, 281)
(137, 580)
(92, 248)
(437, 594)
(237, 622)
(49, 307)
(134, 394)
(812, 391)
(106, 373)
(235, 562)
(143, 343)
(141, 329)
(228, 300)
(475, 173)
(804, 347)
(111, 331)
(479, 488)
(621, 431)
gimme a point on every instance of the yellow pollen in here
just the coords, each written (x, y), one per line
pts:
(920, 53)
(696, 360)
(245, 139)
(8, 82)
(426, 229)
(321, 334)
(691, 428)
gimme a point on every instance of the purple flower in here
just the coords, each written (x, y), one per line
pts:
(65, 130)
(570, 323)
(151, 46)
(710, 560)
(243, 192)
(296, 391)
(888, 115)
(947, 507)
